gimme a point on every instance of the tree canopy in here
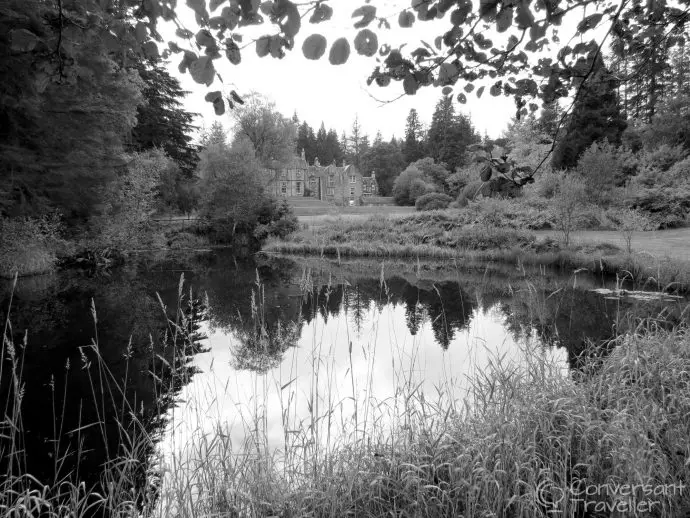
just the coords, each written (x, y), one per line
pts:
(460, 55)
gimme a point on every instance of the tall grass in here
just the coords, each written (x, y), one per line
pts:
(127, 487)
(525, 440)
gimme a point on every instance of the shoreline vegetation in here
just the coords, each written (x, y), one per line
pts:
(526, 439)
(440, 235)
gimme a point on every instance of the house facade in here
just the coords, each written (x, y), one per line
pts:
(338, 185)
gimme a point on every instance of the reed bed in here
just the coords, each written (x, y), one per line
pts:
(524, 439)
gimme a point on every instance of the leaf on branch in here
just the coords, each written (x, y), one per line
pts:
(367, 12)
(410, 84)
(184, 33)
(287, 13)
(140, 32)
(150, 50)
(420, 54)
(589, 22)
(204, 38)
(232, 52)
(174, 47)
(447, 73)
(340, 52)
(263, 46)
(187, 60)
(447, 90)
(406, 19)
(322, 13)
(366, 43)
(486, 173)
(496, 89)
(219, 106)
(202, 70)
(214, 4)
(236, 97)
(487, 9)
(266, 7)
(231, 16)
(537, 31)
(469, 87)
(504, 19)
(462, 98)
(459, 16)
(212, 96)
(23, 40)
(524, 17)
(480, 91)
(199, 8)
(314, 46)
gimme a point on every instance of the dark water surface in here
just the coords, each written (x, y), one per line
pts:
(280, 341)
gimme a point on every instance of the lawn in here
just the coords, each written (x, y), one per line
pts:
(673, 243)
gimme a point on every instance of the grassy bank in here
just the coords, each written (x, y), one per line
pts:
(528, 439)
(439, 235)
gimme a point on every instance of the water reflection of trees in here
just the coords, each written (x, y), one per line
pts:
(581, 321)
(94, 390)
(288, 295)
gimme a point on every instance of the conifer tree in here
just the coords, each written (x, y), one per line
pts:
(161, 120)
(450, 134)
(596, 116)
(413, 145)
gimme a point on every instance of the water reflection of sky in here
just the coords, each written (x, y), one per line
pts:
(384, 365)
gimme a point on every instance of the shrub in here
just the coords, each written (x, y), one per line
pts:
(29, 246)
(568, 204)
(185, 239)
(545, 185)
(666, 207)
(275, 219)
(410, 185)
(433, 201)
(601, 170)
(628, 221)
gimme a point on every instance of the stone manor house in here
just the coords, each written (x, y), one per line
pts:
(338, 185)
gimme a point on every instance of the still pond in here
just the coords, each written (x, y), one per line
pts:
(268, 351)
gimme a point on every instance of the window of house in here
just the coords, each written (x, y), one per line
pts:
(353, 179)
(283, 188)
(352, 191)
(330, 191)
(331, 180)
(298, 187)
(298, 175)
(283, 173)
(365, 187)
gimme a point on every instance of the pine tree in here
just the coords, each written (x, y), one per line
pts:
(306, 141)
(161, 120)
(413, 145)
(215, 136)
(450, 134)
(359, 143)
(324, 154)
(596, 116)
(333, 145)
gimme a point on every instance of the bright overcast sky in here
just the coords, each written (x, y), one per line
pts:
(319, 91)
